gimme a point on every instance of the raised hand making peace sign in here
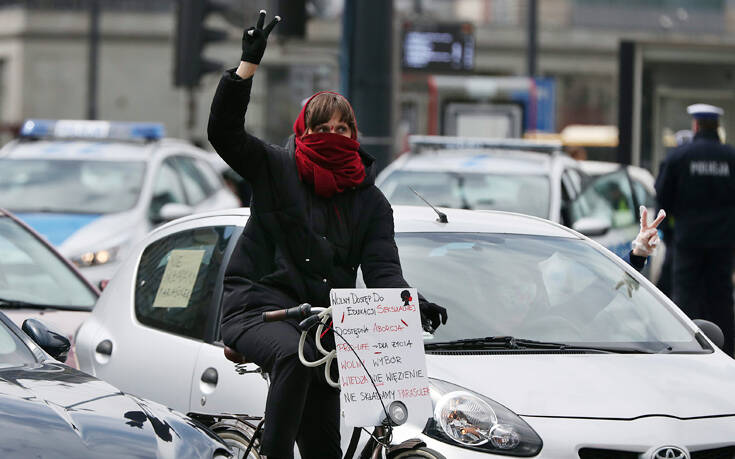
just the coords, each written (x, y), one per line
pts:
(647, 239)
(255, 38)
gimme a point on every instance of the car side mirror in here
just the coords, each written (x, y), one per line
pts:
(712, 331)
(592, 226)
(56, 344)
(172, 211)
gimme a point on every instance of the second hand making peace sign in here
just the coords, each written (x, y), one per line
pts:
(647, 239)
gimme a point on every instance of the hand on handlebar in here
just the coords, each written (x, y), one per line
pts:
(434, 314)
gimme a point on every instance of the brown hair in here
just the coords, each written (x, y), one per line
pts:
(323, 106)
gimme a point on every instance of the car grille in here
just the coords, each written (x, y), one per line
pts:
(727, 452)
(594, 453)
(719, 453)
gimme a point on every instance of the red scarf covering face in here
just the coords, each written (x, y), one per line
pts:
(330, 162)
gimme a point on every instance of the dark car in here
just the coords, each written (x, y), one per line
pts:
(49, 410)
(36, 281)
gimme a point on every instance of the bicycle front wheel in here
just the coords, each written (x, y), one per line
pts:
(238, 436)
(419, 453)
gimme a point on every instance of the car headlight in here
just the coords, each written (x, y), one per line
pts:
(99, 257)
(469, 420)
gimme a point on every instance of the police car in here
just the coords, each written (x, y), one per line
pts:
(95, 188)
(515, 175)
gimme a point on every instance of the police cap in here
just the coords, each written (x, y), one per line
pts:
(705, 111)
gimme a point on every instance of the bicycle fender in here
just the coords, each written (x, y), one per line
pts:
(408, 445)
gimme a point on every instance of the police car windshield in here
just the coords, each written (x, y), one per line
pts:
(526, 194)
(70, 185)
(540, 288)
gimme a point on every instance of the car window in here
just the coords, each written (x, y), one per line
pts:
(195, 184)
(609, 197)
(210, 175)
(575, 178)
(69, 185)
(527, 194)
(643, 196)
(167, 187)
(31, 272)
(13, 351)
(176, 280)
(540, 288)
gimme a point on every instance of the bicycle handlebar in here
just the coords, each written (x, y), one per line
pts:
(297, 312)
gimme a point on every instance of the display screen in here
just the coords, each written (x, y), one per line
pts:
(438, 47)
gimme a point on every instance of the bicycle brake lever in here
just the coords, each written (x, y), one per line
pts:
(242, 369)
(309, 322)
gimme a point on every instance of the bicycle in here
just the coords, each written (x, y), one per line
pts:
(242, 432)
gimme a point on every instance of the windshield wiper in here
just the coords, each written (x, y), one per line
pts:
(5, 303)
(512, 343)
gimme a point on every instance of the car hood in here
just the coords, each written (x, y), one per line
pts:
(50, 410)
(57, 227)
(106, 232)
(621, 386)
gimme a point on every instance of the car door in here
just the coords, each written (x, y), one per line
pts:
(152, 347)
(200, 192)
(167, 188)
(218, 388)
(609, 197)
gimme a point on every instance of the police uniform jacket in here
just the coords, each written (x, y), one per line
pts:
(696, 185)
(296, 245)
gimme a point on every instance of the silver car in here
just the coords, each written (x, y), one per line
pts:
(515, 175)
(95, 188)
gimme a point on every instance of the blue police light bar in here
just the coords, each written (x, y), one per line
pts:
(91, 130)
(437, 142)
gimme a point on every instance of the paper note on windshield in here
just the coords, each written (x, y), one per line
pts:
(384, 328)
(178, 279)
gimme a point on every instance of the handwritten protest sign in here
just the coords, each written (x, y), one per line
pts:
(384, 328)
(178, 279)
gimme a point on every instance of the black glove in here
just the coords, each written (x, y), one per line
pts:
(436, 314)
(254, 39)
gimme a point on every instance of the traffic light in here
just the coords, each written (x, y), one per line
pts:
(294, 14)
(192, 36)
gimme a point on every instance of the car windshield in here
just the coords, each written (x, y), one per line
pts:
(69, 186)
(539, 288)
(526, 194)
(31, 273)
(13, 351)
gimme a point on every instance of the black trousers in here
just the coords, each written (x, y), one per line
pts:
(301, 407)
(703, 287)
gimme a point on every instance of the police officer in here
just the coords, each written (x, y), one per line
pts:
(697, 187)
(665, 280)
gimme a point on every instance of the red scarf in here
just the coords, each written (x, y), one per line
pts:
(329, 162)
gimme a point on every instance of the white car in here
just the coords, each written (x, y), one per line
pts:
(95, 188)
(514, 175)
(614, 368)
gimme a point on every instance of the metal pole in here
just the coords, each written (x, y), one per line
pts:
(191, 116)
(94, 41)
(532, 37)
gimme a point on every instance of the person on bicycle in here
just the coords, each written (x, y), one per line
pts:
(316, 217)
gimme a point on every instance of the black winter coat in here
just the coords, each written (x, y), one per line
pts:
(296, 245)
